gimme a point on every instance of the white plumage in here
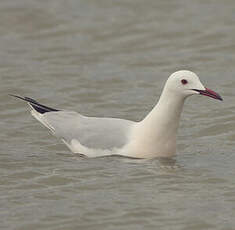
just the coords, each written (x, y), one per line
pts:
(154, 136)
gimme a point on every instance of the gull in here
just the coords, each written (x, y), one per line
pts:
(153, 136)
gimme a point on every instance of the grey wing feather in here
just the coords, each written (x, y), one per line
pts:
(92, 132)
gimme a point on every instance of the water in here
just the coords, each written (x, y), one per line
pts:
(111, 58)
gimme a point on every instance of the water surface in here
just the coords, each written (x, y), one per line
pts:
(111, 58)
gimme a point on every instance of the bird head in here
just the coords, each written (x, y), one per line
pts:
(187, 83)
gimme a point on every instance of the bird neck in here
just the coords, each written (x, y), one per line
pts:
(164, 117)
(155, 135)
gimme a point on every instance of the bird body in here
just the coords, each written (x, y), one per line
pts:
(154, 136)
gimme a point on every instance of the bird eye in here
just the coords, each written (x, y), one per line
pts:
(184, 82)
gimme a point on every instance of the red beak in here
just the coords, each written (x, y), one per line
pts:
(209, 93)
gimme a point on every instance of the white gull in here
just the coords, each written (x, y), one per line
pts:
(154, 136)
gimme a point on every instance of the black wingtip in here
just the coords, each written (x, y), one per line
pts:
(13, 95)
(37, 106)
(28, 99)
